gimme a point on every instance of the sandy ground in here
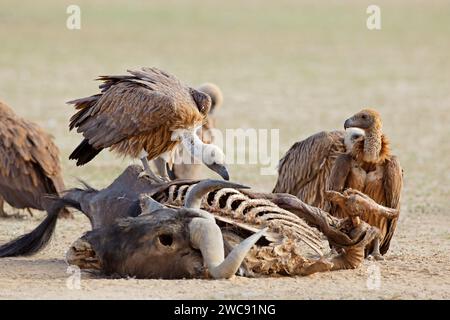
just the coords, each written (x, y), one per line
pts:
(418, 267)
(297, 66)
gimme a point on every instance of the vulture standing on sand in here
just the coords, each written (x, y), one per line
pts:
(191, 169)
(144, 115)
(29, 164)
(356, 158)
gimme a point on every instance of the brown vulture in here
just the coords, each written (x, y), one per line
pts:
(192, 170)
(29, 164)
(144, 115)
(356, 158)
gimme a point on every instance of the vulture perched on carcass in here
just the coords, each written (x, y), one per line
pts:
(145, 115)
(191, 169)
(29, 164)
(358, 158)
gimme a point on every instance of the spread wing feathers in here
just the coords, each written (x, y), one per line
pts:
(393, 183)
(132, 105)
(29, 162)
(305, 168)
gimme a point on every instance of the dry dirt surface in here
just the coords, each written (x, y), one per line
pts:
(300, 66)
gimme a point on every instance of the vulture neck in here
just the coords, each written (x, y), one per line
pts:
(374, 149)
(191, 141)
(372, 144)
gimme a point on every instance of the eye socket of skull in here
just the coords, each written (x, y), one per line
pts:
(165, 239)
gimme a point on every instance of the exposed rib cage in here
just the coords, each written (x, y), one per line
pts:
(232, 206)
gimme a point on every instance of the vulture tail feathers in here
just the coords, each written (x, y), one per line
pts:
(32, 242)
(84, 153)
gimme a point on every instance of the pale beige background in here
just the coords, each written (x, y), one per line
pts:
(294, 65)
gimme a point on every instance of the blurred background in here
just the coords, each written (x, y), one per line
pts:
(299, 66)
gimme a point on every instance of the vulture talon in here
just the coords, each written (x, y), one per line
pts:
(375, 257)
(152, 177)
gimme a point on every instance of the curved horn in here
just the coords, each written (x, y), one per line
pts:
(148, 204)
(194, 196)
(207, 236)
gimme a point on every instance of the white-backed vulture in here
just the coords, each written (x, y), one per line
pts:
(29, 164)
(144, 115)
(370, 168)
(322, 162)
(193, 170)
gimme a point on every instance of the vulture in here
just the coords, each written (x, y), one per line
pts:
(192, 170)
(29, 164)
(145, 114)
(358, 158)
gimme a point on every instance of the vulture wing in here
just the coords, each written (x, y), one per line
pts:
(306, 167)
(340, 172)
(393, 183)
(135, 105)
(29, 162)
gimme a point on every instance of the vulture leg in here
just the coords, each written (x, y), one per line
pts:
(2, 212)
(162, 167)
(148, 172)
(376, 250)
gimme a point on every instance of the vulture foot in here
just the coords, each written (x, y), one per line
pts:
(376, 255)
(148, 173)
(152, 177)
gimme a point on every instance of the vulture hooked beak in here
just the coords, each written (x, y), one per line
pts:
(209, 154)
(221, 169)
(348, 123)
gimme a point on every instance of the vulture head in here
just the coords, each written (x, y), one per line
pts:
(375, 144)
(209, 154)
(202, 100)
(164, 242)
(367, 119)
(215, 93)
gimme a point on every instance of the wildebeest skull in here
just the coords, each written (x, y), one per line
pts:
(163, 242)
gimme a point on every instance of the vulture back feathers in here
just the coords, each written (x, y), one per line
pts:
(136, 112)
(304, 169)
(29, 163)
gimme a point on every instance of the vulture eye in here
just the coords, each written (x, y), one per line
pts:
(165, 239)
(364, 117)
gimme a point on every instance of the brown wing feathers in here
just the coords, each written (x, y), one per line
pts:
(393, 184)
(29, 162)
(136, 112)
(305, 168)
